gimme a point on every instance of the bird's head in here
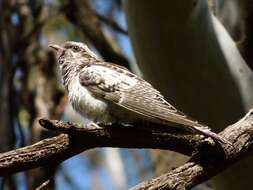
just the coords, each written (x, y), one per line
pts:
(72, 50)
(72, 56)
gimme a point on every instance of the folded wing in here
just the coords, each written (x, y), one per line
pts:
(121, 87)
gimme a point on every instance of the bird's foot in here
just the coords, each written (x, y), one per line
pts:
(93, 125)
(76, 125)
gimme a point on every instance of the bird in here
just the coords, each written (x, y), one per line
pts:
(107, 93)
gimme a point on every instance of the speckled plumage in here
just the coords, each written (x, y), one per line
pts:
(107, 93)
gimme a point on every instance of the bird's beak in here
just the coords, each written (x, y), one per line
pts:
(55, 47)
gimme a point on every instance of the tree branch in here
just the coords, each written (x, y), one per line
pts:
(39, 154)
(207, 163)
(61, 147)
(207, 160)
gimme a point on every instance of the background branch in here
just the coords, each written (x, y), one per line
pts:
(91, 28)
(112, 23)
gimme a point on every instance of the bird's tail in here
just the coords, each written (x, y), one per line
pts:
(207, 132)
(199, 128)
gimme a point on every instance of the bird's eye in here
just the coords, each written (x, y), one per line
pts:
(76, 48)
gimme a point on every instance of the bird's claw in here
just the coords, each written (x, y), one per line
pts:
(93, 125)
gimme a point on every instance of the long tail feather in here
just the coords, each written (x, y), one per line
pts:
(207, 132)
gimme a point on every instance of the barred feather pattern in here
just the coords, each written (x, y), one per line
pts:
(105, 92)
(119, 86)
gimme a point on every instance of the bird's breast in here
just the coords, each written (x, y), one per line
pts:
(86, 104)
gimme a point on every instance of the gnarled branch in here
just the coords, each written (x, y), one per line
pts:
(207, 160)
(207, 163)
(78, 139)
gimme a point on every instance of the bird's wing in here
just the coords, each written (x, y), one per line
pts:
(127, 90)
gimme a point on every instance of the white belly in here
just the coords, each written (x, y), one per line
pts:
(86, 104)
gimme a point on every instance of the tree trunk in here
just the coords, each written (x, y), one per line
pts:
(186, 53)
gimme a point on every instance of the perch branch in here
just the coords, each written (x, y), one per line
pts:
(61, 147)
(207, 160)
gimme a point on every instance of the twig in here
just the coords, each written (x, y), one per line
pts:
(112, 23)
(43, 185)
